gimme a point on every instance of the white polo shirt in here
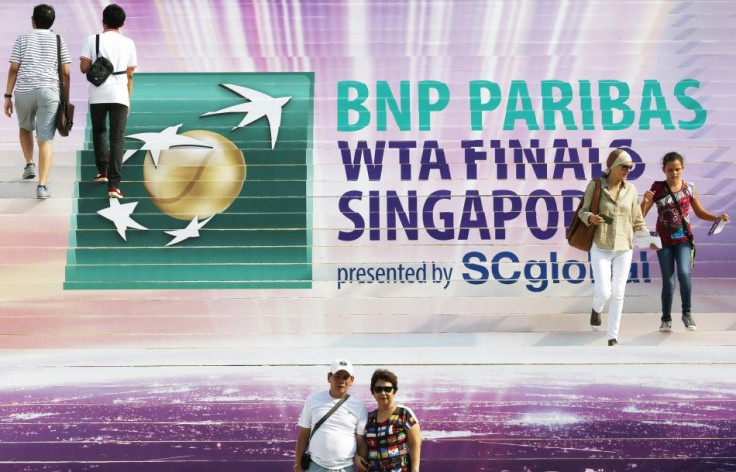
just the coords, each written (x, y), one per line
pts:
(333, 445)
(120, 51)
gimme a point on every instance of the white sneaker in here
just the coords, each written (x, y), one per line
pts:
(29, 171)
(42, 193)
(689, 322)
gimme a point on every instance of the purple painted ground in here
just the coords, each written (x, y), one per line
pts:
(524, 422)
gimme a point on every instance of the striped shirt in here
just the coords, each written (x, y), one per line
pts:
(35, 51)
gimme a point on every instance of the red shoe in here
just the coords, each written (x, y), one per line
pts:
(101, 178)
(114, 193)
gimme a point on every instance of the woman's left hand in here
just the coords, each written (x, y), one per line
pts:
(725, 217)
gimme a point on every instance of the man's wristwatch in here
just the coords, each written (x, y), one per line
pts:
(8, 95)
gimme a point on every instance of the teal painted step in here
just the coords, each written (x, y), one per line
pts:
(179, 106)
(254, 158)
(108, 238)
(223, 221)
(98, 200)
(190, 255)
(190, 83)
(185, 285)
(121, 273)
(255, 188)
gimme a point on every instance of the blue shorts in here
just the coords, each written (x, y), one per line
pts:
(36, 110)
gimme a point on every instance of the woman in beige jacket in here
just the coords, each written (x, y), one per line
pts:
(619, 217)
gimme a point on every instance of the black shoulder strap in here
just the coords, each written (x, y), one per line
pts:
(58, 61)
(328, 414)
(97, 54)
(685, 223)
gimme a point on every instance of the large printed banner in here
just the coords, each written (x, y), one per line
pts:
(438, 188)
(484, 196)
(384, 181)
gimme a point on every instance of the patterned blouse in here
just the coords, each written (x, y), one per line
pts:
(670, 227)
(388, 447)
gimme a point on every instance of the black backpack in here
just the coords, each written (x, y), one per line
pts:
(101, 69)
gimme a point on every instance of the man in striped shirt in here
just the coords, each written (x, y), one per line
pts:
(34, 75)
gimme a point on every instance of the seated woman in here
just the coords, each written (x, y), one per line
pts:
(392, 432)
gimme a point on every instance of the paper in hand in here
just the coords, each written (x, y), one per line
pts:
(717, 226)
(645, 240)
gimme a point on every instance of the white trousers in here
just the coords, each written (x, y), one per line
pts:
(610, 271)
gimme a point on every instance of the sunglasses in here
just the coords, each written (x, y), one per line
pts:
(387, 389)
(627, 168)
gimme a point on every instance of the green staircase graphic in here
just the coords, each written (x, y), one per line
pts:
(261, 240)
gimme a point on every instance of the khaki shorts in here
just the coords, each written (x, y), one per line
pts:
(36, 110)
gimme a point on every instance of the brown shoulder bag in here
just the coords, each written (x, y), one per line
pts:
(579, 235)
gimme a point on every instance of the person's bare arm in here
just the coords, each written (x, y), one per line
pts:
(702, 213)
(360, 461)
(647, 202)
(414, 437)
(12, 78)
(302, 440)
(129, 72)
(67, 77)
(84, 64)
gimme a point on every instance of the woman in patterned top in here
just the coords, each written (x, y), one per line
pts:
(674, 234)
(392, 431)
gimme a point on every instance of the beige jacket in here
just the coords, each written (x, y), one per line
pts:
(626, 214)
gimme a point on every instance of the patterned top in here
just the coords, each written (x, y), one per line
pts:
(670, 226)
(388, 449)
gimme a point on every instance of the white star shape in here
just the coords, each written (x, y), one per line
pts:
(120, 215)
(191, 231)
(161, 141)
(260, 105)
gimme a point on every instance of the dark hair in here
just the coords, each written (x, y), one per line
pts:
(672, 157)
(43, 16)
(386, 376)
(113, 16)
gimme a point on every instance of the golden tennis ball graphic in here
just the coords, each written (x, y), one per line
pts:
(196, 181)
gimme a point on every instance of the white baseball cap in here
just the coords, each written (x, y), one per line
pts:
(341, 364)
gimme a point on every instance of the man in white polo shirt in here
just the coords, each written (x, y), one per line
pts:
(333, 447)
(111, 100)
